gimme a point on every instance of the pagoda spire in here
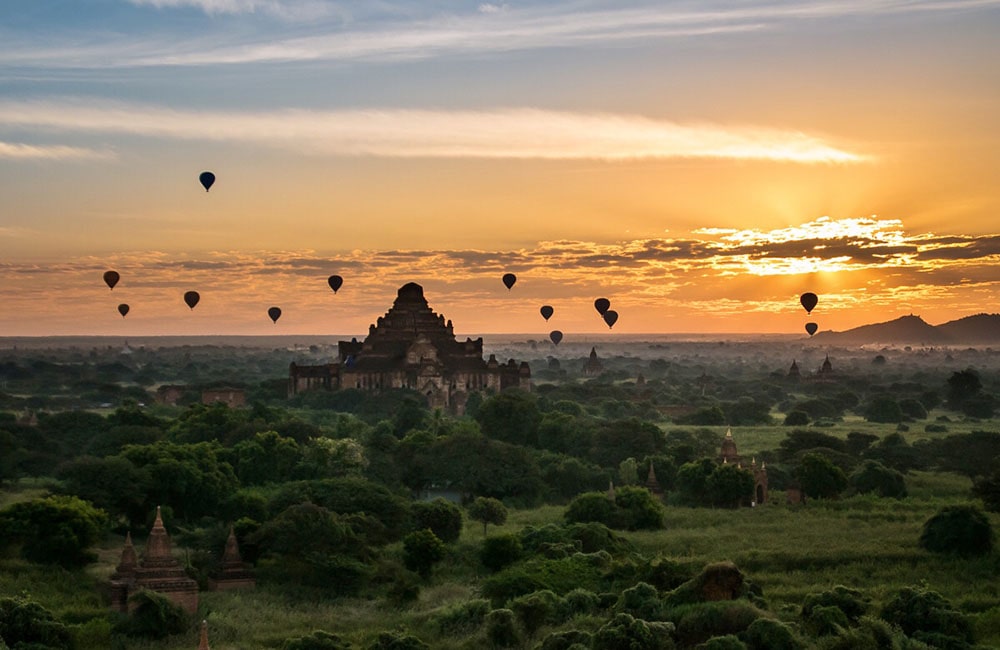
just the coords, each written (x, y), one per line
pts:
(203, 641)
(158, 543)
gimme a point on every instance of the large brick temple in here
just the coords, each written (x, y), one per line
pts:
(413, 347)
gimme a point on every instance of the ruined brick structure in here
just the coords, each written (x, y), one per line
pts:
(233, 573)
(593, 366)
(728, 454)
(158, 571)
(413, 347)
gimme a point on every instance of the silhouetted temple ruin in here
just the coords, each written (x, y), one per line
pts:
(413, 347)
(233, 573)
(729, 455)
(158, 571)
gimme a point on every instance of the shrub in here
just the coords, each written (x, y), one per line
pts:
(398, 641)
(488, 511)
(874, 477)
(501, 630)
(851, 602)
(441, 517)
(154, 616)
(593, 507)
(464, 618)
(962, 530)
(824, 620)
(535, 609)
(727, 642)
(25, 623)
(54, 530)
(568, 640)
(500, 551)
(918, 611)
(421, 551)
(318, 640)
(696, 623)
(820, 478)
(625, 631)
(796, 419)
(508, 584)
(578, 601)
(768, 634)
(641, 601)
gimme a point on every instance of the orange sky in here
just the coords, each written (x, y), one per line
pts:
(700, 164)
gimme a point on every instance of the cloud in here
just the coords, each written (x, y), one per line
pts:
(408, 31)
(497, 133)
(18, 151)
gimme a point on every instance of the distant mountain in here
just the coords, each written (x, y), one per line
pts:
(981, 329)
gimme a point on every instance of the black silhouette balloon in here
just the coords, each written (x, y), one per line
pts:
(508, 280)
(811, 328)
(191, 298)
(602, 305)
(274, 313)
(335, 282)
(123, 309)
(610, 317)
(555, 336)
(809, 301)
(207, 180)
(111, 278)
(546, 312)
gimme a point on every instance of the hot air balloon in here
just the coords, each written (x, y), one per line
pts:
(191, 298)
(811, 328)
(611, 317)
(809, 301)
(111, 278)
(207, 179)
(546, 312)
(602, 305)
(508, 280)
(335, 282)
(555, 336)
(123, 309)
(274, 313)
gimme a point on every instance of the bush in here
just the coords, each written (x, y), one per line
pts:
(918, 611)
(796, 419)
(578, 601)
(421, 551)
(488, 511)
(501, 630)
(568, 640)
(768, 634)
(508, 584)
(727, 642)
(699, 622)
(874, 477)
(500, 551)
(318, 640)
(824, 620)
(441, 517)
(535, 609)
(25, 623)
(398, 641)
(154, 616)
(625, 631)
(850, 602)
(641, 601)
(463, 618)
(820, 478)
(54, 530)
(962, 530)
(633, 508)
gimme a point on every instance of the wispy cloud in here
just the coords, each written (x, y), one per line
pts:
(403, 31)
(18, 151)
(497, 133)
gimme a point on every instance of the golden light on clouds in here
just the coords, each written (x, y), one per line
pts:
(520, 133)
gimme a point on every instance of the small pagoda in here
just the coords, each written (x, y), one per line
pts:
(233, 572)
(158, 571)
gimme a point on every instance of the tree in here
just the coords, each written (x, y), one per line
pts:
(265, 458)
(962, 385)
(421, 551)
(883, 408)
(113, 484)
(961, 530)
(26, 624)
(692, 482)
(796, 419)
(820, 479)
(512, 416)
(154, 616)
(488, 511)
(874, 477)
(728, 486)
(443, 518)
(54, 530)
(617, 440)
(924, 614)
(988, 489)
(500, 551)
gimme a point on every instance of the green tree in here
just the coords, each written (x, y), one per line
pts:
(267, 457)
(512, 416)
(962, 385)
(443, 518)
(988, 489)
(617, 440)
(113, 484)
(962, 530)
(154, 616)
(488, 511)
(729, 486)
(796, 419)
(500, 551)
(883, 408)
(317, 640)
(692, 482)
(820, 479)
(874, 477)
(421, 551)
(26, 624)
(922, 613)
(54, 530)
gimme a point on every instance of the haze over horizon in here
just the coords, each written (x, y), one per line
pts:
(700, 164)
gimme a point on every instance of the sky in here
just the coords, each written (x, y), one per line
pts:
(698, 163)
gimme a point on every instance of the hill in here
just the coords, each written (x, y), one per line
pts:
(980, 329)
